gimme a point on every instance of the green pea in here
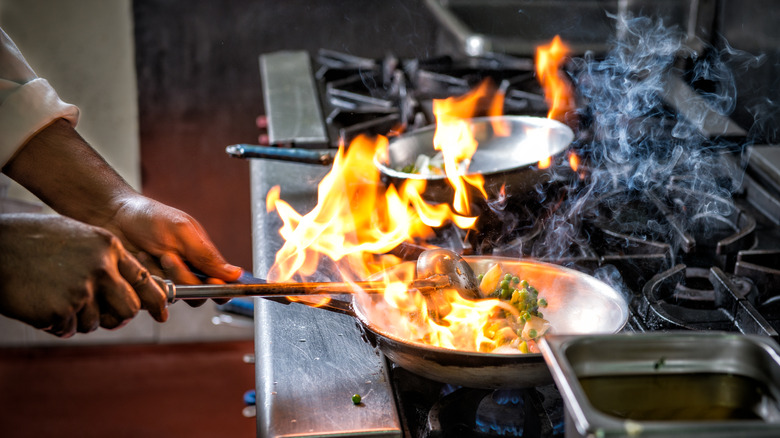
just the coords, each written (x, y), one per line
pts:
(505, 284)
(542, 302)
(480, 276)
(506, 294)
(523, 294)
(356, 399)
(532, 333)
(524, 284)
(515, 280)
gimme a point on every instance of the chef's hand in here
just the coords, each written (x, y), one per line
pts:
(65, 276)
(168, 242)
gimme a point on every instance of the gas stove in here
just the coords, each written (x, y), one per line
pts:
(685, 255)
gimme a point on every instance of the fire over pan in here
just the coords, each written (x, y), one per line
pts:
(509, 148)
(577, 304)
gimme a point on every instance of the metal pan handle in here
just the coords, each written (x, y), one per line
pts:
(297, 155)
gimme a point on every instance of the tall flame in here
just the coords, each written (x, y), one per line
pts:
(355, 216)
(358, 221)
(456, 141)
(557, 90)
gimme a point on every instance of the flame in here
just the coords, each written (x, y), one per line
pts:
(355, 216)
(574, 161)
(557, 90)
(358, 221)
(455, 139)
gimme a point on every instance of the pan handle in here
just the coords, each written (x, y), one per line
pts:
(297, 155)
(244, 287)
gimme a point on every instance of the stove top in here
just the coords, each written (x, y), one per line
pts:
(687, 255)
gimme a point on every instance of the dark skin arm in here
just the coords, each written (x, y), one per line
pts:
(59, 167)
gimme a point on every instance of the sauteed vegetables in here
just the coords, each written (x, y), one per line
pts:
(425, 165)
(507, 329)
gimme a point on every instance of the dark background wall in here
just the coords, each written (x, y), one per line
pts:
(199, 88)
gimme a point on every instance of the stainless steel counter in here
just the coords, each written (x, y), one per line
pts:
(309, 362)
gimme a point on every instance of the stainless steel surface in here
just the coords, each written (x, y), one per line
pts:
(577, 304)
(309, 362)
(765, 159)
(291, 100)
(572, 358)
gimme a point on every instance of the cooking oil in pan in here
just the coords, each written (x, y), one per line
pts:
(679, 397)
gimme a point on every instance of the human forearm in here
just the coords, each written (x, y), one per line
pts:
(60, 167)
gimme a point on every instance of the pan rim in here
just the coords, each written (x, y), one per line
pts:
(529, 120)
(615, 297)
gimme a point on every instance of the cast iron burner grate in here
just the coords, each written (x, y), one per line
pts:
(388, 96)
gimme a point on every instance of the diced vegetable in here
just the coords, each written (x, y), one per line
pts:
(490, 280)
(534, 328)
(513, 330)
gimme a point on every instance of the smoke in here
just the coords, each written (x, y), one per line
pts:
(640, 148)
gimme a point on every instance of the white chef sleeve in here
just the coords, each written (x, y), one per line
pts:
(27, 103)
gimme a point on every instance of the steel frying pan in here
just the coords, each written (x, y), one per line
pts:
(577, 304)
(509, 149)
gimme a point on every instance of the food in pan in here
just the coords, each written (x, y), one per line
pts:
(425, 165)
(508, 329)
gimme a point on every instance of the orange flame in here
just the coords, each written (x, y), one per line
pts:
(358, 221)
(574, 161)
(456, 141)
(355, 216)
(558, 93)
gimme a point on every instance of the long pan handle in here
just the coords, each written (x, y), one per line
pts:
(183, 292)
(297, 155)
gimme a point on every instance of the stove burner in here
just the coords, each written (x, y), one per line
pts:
(700, 299)
(501, 413)
(481, 413)
(761, 266)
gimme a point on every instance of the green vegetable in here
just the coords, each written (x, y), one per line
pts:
(409, 168)
(356, 399)
(523, 347)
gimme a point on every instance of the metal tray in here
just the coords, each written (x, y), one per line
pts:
(686, 384)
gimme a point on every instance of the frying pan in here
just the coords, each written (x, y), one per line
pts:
(577, 304)
(509, 149)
